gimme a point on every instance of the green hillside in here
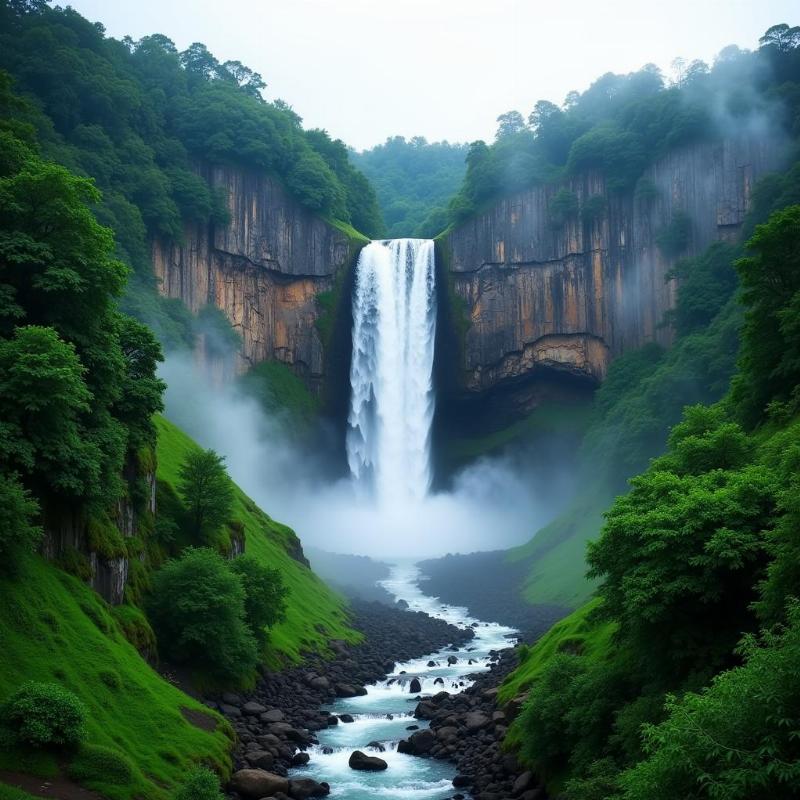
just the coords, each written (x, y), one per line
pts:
(55, 629)
(315, 613)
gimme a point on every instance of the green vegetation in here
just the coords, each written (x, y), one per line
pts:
(413, 180)
(77, 378)
(314, 613)
(280, 392)
(202, 784)
(681, 680)
(197, 608)
(56, 630)
(145, 121)
(622, 123)
(43, 715)
(207, 493)
(264, 595)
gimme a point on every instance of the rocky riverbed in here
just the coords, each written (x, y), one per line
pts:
(353, 726)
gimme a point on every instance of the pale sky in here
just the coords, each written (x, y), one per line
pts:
(443, 69)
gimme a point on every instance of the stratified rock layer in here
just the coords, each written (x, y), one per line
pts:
(575, 295)
(265, 270)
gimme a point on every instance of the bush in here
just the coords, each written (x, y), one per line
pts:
(201, 784)
(44, 715)
(674, 237)
(562, 207)
(198, 612)
(100, 765)
(265, 594)
(17, 529)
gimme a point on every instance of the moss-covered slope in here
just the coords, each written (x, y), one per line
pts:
(315, 613)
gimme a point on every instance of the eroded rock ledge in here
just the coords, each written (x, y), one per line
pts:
(575, 295)
(265, 269)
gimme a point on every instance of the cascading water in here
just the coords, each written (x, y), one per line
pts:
(392, 401)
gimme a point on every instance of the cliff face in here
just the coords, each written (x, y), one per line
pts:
(265, 270)
(573, 296)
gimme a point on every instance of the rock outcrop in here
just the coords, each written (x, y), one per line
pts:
(572, 293)
(266, 270)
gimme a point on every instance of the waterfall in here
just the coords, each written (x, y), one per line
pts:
(391, 404)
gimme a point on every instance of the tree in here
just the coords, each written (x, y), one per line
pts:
(250, 82)
(265, 594)
(18, 530)
(206, 491)
(769, 364)
(197, 607)
(782, 37)
(197, 60)
(510, 123)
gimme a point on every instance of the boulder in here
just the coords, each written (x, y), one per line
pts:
(253, 709)
(422, 741)
(254, 784)
(475, 720)
(260, 759)
(303, 788)
(230, 711)
(346, 717)
(375, 745)
(523, 783)
(461, 781)
(447, 732)
(348, 690)
(321, 683)
(431, 663)
(362, 761)
(273, 715)
(452, 660)
(415, 687)
(300, 759)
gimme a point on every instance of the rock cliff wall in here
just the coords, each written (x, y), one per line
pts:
(265, 270)
(571, 296)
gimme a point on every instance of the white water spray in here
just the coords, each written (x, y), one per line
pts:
(391, 405)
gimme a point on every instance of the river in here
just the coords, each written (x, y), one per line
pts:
(407, 777)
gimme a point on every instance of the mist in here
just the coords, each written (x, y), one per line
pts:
(494, 503)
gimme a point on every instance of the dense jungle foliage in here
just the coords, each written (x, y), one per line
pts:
(138, 117)
(414, 179)
(680, 682)
(622, 123)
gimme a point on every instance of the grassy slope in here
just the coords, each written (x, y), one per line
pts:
(54, 628)
(315, 612)
(557, 553)
(577, 633)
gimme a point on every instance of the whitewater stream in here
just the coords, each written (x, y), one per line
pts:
(407, 777)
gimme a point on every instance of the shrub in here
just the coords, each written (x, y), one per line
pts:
(198, 612)
(593, 208)
(265, 594)
(44, 715)
(17, 529)
(100, 765)
(562, 207)
(674, 237)
(201, 784)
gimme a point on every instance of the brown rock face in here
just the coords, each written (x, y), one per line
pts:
(573, 296)
(264, 270)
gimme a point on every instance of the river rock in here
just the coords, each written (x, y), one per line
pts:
(418, 744)
(273, 715)
(415, 687)
(376, 745)
(254, 784)
(361, 761)
(303, 788)
(452, 660)
(253, 709)
(523, 783)
(300, 759)
(346, 718)
(260, 759)
(347, 690)
(475, 720)
(320, 682)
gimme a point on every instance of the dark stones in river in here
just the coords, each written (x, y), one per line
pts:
(361, 761)
(346, 718)
(415, 687)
